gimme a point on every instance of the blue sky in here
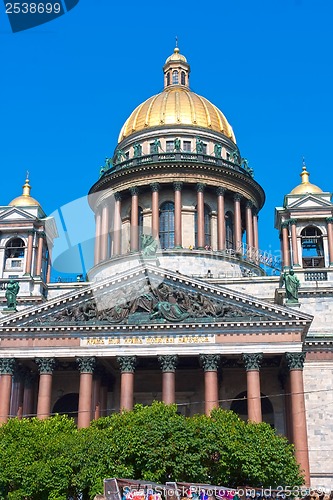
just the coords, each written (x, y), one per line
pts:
(68, 86)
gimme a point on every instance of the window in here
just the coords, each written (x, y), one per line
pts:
(207, 226)
(187, 146)
(182, 78)
(229, 228)
(168, 78)
(175, 77)
(312, 247)
(167, 225)
(15, 248)
(204, 148)
(170, 146)
(16, 263)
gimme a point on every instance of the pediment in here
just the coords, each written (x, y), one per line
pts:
(151, 296)
(12, 214)
(309, 201)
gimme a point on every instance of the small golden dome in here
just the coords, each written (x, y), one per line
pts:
(25, 200)
(306, 187)
(176, 56)
(176, 105)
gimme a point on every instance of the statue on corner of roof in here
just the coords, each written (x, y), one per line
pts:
(11, 294)
(292, 285)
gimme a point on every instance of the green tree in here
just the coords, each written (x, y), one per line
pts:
(52, 460)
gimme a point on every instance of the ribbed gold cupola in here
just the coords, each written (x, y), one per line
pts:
(176, 69)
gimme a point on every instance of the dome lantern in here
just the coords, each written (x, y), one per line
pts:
(25, 199)
(176, 69)
(306, 187)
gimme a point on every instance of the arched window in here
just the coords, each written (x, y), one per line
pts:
(207, 226)
(15, 248)
(239, 406)
(312, 247)
(168, 78)
(14, 254)
(167, 225)
(229, 230)
(182, 78)
(175, 77)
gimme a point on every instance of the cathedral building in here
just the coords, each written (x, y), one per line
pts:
(178, 306)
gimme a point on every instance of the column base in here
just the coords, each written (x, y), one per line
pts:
(178, 247)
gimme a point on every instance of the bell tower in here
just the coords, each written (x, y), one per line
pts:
(26, 239)
(305, 223)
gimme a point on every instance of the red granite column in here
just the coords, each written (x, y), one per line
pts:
(252, 366)
(117, 225)
(96, 397)
(155, 214)
(86, 367)
(127, 366)
(104, 233)
(98, 221)
(329, 221)
(40, 247)
(210, 364)
(178, 186)
(49, 264)
(134, 233)
(220, 218)
(200, 216)
(238, 222)
(28, 395)
(28, 263)
(7, 366)
(45, 368)
(255, 228)
(104, 400)
(168, 366)
(295, 363)
(293, 223)
(249, 224)
(285, 244)
(16, 405)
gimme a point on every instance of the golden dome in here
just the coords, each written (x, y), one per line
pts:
(176, 56)
(306, 187)
(176, 105)
(25, 200)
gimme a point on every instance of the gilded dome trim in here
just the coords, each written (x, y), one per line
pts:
(209, 121)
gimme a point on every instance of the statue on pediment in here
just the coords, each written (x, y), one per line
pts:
(168, 311)
(148, 245)
(292, 285)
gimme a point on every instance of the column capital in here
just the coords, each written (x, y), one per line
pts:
(7, 366)
(295, 360)
(252, 361)
(293, 222)
(155, 186)
(329, 220)
(220, 191)
(237, 197)
(134, 190)
(209, 362)
(41, 234)
(200, 187)
(31, 232)
(45, 365)
(117, 196)
(249, 204)
(285, 224)
(127, 363)
(255, 210)
(86, 364)
(168, 363)
(178, 186)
